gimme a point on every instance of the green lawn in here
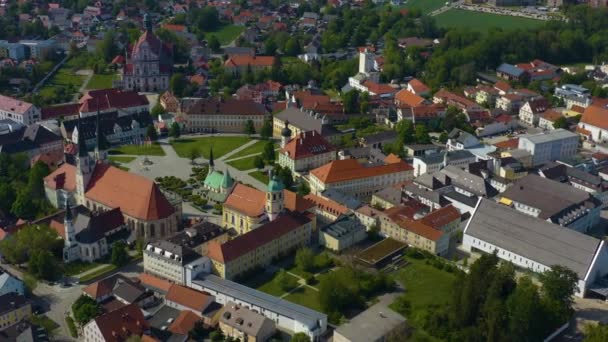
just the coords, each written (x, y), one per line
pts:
(227, 33)
(77, 267)
(305, 296)
(425, 286)
(426, 6)
(243, 164)
(45, 322)
(256, 148)
(138, 150)
(272, 288)
(100, 82)
(221, 145)
(260, 175)
(122, 159)
(99, 272)
(483, 21)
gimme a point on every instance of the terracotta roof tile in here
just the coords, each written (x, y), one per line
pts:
(260, 236)
(551, 115)
(14, 105)
(184, 322)
(596, 116)
(120, 324)
(188, 297)
(136, 196)
(349, 169)
(254, 61)
(406, 97)
(215, 106)
(149, 280)
(327, 205)
(508, 144)
(295, 202)
(246, 200)
(441, 217)
(307, 144)
(418, 86)
(64, 178)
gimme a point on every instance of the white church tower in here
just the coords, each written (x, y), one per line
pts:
(84, 166)
(274, 198)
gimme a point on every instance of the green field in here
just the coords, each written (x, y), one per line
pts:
(138, 150)
(77, 267)
(305, 296)
(256, 148)
(260, 175)
(221, 145)
(243, 164)
(483, 21)
(122, 159)
(425, 286)
(63, 84)
(426, 6)
(227, 33)
(271, 287)
(100, 82)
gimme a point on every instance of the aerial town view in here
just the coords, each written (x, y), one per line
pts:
(304, 170)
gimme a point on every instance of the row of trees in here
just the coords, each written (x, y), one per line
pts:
(490, 304)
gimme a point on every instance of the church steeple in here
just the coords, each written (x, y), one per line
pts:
(100, 142)
(147, 22)
(68, 225)
(211, 162)
(82, 146)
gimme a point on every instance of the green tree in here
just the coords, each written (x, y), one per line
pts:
(559, 286)
(249, 127)
(305, 259)
(107, 46)
(350, 100)
(198, 333)
(300, 337)
(422, 135)
(193, 154)
(23, 206)
(157, 110)
(177, 84)
(258, 162)
(285, 281)
(266, 131)
(268, 152)
(524, 308)
(292, 47)
(560, 122)
(85, 309)
(120, 256)
(303, 189)
(151, 133)
(175, 130)
(214, 43)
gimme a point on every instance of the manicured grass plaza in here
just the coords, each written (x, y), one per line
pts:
(256, 148)
(100, 82)
(262, 176)
(221, 145)
(483, 21)
(138, 150)
(121, 159)
(305, 296)
(426, 6)
(227, 33)
(243, 164)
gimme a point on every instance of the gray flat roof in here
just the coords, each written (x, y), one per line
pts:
(254, 297)
(554, 135)
(533, 238)
(371, 325)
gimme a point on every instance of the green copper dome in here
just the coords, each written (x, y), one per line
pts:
(275, 184)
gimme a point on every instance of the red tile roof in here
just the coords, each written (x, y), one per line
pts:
(174, 28)
(184, 322)
(64, 178)
(378, 88)
(215, 106)
(120, 324)
(55, 112)
(188, 297)
(260, 236)
(349, 169)
(508, 144)
(418, 86)
(441, 217)
(595, 116)
(327, 205)
(111, 98)
(136, 196)
(295, 202)
(406, 97)
(246, 200)
(10, 104)
(254, 61)
(149, 280)
(307, 144)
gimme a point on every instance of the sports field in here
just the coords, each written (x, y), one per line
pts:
(483, 21)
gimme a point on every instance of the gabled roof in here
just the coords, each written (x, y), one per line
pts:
(596, 116)
(295, 202)
(184, 322)
(243, 244)
(327, 205)
(216, 106)
(254, 61)
(307, 144)
(441, 217)
(246, 200)
(136, 196)
(64, 178)
(10, 104)
(406, 97)
(110, 99)
(120, 324)
(190, 298)
(418, 86)
(349, 169)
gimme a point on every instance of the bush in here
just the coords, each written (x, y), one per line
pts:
(414, 253)
(71, 327)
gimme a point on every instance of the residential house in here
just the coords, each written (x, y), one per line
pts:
(240, 64)
(416, 87)
(530, 112)
(10, 284)
(594, 123)
(435, 161)
(185, 298)
(307, 151)
(14, 308)
(243, 324)
(117, 325)
(18, 110)
(547, 119)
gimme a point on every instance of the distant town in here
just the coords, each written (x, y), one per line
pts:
(303, 171)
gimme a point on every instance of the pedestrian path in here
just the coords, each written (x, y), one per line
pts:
(237, 150)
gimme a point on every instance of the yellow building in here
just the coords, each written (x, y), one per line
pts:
(224, 115)
(14, 308)
(258, 247)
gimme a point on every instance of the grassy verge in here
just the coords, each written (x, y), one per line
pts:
(71, 327)
(426, 6)
(305, 296)
(256, 148)
(243, 164)
(483, 21)
(43, 321)
(78, 267)
(221, 145)
(227, 33)
(260, 175)
(138, 150)
(122, 159)
(100, 82)
(101, 271)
